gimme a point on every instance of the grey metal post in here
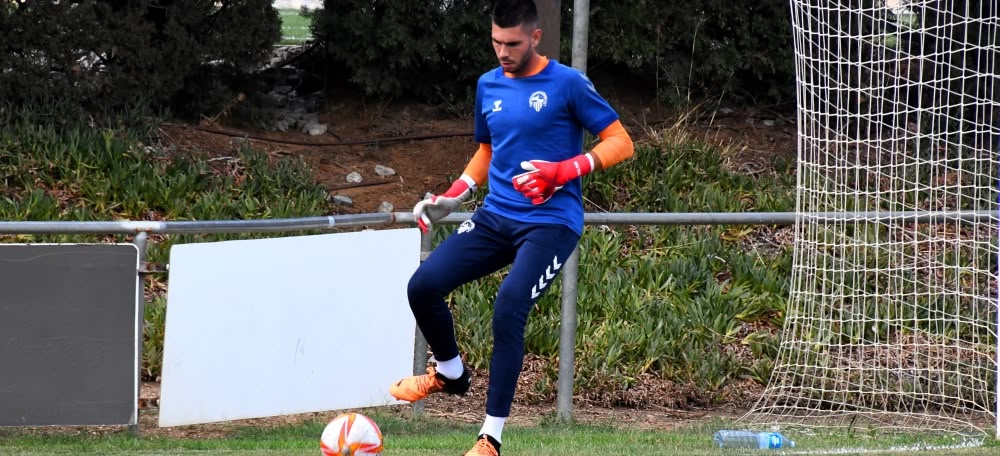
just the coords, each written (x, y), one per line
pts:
(141, 242)
(420, 344)
(581, 33)
(567, 331)
(567, 338)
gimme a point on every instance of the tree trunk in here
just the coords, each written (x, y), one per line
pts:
(548, 17)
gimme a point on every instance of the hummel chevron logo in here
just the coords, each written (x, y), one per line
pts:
(546, 278)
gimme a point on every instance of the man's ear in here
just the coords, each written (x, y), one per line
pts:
(536, 37)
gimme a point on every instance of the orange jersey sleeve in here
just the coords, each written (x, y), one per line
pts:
(615, 146)
(479, 167)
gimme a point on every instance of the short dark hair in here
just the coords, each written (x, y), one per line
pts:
(511, 13)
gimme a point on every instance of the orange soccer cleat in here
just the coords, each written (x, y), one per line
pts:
(417, 387)
(485, 446)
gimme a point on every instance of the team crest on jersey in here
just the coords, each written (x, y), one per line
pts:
(538, 100)
(466, 226)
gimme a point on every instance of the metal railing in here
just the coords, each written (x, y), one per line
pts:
(567, 335)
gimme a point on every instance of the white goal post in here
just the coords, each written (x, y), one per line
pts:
(892, 325)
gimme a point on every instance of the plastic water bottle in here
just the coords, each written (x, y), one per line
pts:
(750, 439)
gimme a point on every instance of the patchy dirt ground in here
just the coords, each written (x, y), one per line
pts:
(428, 147)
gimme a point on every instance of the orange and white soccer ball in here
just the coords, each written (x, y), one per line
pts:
(351, 434)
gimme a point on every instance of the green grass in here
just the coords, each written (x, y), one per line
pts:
(413, 437)
(294, 27)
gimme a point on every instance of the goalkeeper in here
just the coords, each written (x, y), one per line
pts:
(530, 115)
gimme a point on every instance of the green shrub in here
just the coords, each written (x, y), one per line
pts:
(112, 54)
(154, 330)
(406, 48)
(693, 50)
(687, 51)
(84, 174)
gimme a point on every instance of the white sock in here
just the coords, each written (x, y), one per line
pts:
(451, 369)
(493, 427)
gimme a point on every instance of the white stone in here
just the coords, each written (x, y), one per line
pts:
(354, 178)
(386, 207)
(384, 171)
(315, 129)
(342, 200)
(283, 124)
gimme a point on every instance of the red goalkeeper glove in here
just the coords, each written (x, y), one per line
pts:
(543, 178)
(437, 207)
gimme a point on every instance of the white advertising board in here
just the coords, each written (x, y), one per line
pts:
(289, 325)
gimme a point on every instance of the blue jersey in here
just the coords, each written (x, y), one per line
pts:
(538, 117)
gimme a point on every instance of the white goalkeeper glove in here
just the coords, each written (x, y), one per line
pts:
(437, 207)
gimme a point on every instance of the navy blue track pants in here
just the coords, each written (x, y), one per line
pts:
(483, 245)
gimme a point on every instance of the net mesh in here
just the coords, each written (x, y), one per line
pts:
(892, 318)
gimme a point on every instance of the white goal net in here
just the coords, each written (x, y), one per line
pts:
(892, 321)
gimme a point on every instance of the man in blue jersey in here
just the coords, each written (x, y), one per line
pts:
(530, 116)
